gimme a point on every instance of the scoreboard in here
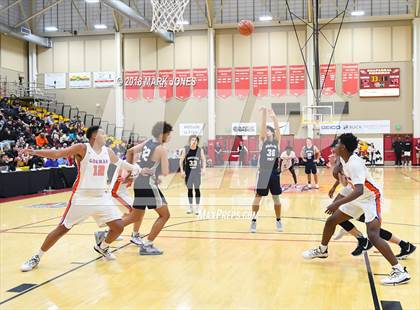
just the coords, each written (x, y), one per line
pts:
(379, 82)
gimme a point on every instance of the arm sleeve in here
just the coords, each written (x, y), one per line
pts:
(126, 166)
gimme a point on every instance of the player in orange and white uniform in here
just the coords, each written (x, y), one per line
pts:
(90, 196)
(120, 185)
(364, 198)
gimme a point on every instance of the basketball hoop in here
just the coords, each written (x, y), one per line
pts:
(168, 15)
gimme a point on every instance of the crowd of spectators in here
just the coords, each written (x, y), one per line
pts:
(24, 125)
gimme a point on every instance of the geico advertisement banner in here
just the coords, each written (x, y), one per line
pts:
(356, 127)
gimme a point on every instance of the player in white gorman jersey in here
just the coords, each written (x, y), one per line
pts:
(90, 195)
(120, 185)
(365, 198)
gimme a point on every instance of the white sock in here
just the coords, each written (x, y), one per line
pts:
(399, 267)
(323, 248)
(148, 242)
(40, 253)
(135, 233)
(104, 245)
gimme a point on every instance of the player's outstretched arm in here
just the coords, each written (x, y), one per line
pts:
(133, 151)
(276, 125)
(74, 150)
(263, 123)
(122, 164)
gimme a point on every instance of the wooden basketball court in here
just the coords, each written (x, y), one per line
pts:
(212, 263)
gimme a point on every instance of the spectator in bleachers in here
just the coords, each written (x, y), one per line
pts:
(51, 163)
(41, 140)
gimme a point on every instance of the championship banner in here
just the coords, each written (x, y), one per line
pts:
(148, 83)
(183, 84)
(80, 80)
(166, 87)
(379, 82)
(224, 82)
(260, 81)
(54, 80)
(131, 85)
(329, 84)
(103, 79)
(188, 129)
(242, 77)
(356, 127)
(350, 79)
(244, 129)
(200, 89)
(278, 81)
(297, 80)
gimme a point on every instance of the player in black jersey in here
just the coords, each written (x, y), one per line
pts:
(268, 170)
(193, 165)
(153, 154)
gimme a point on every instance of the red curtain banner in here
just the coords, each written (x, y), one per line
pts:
(329, 84)
(165, 83)
(131, 85)
(278, 80)
(297, 80)
(350, 79)
(260, 81)
(183, 84)
(224, 82)
(242, 77)
(148, 80)
(200, 89)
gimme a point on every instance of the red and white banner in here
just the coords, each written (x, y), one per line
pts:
(165, 82)
(224, 82)
(148, 82)
(328, 74)
(350, 79)
(379, 82)
(242, 77)
(278, 80)
(183, 84)
(132, 85)
(297, 80)
(260, 81)
(200, 89)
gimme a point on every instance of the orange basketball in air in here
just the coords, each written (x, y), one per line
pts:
(246, 27)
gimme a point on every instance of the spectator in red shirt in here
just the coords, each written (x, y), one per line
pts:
(41, 140)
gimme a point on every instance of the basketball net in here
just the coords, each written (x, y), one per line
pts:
(168, 15)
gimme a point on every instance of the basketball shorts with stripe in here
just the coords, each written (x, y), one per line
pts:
(80, 207)
(148, 197)
(370, 207)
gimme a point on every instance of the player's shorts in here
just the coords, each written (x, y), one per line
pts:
(407, 154)
(268, 182)
(370, 207)
(310, 167)
(80, 207)
(147, 194)
(193, 179)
